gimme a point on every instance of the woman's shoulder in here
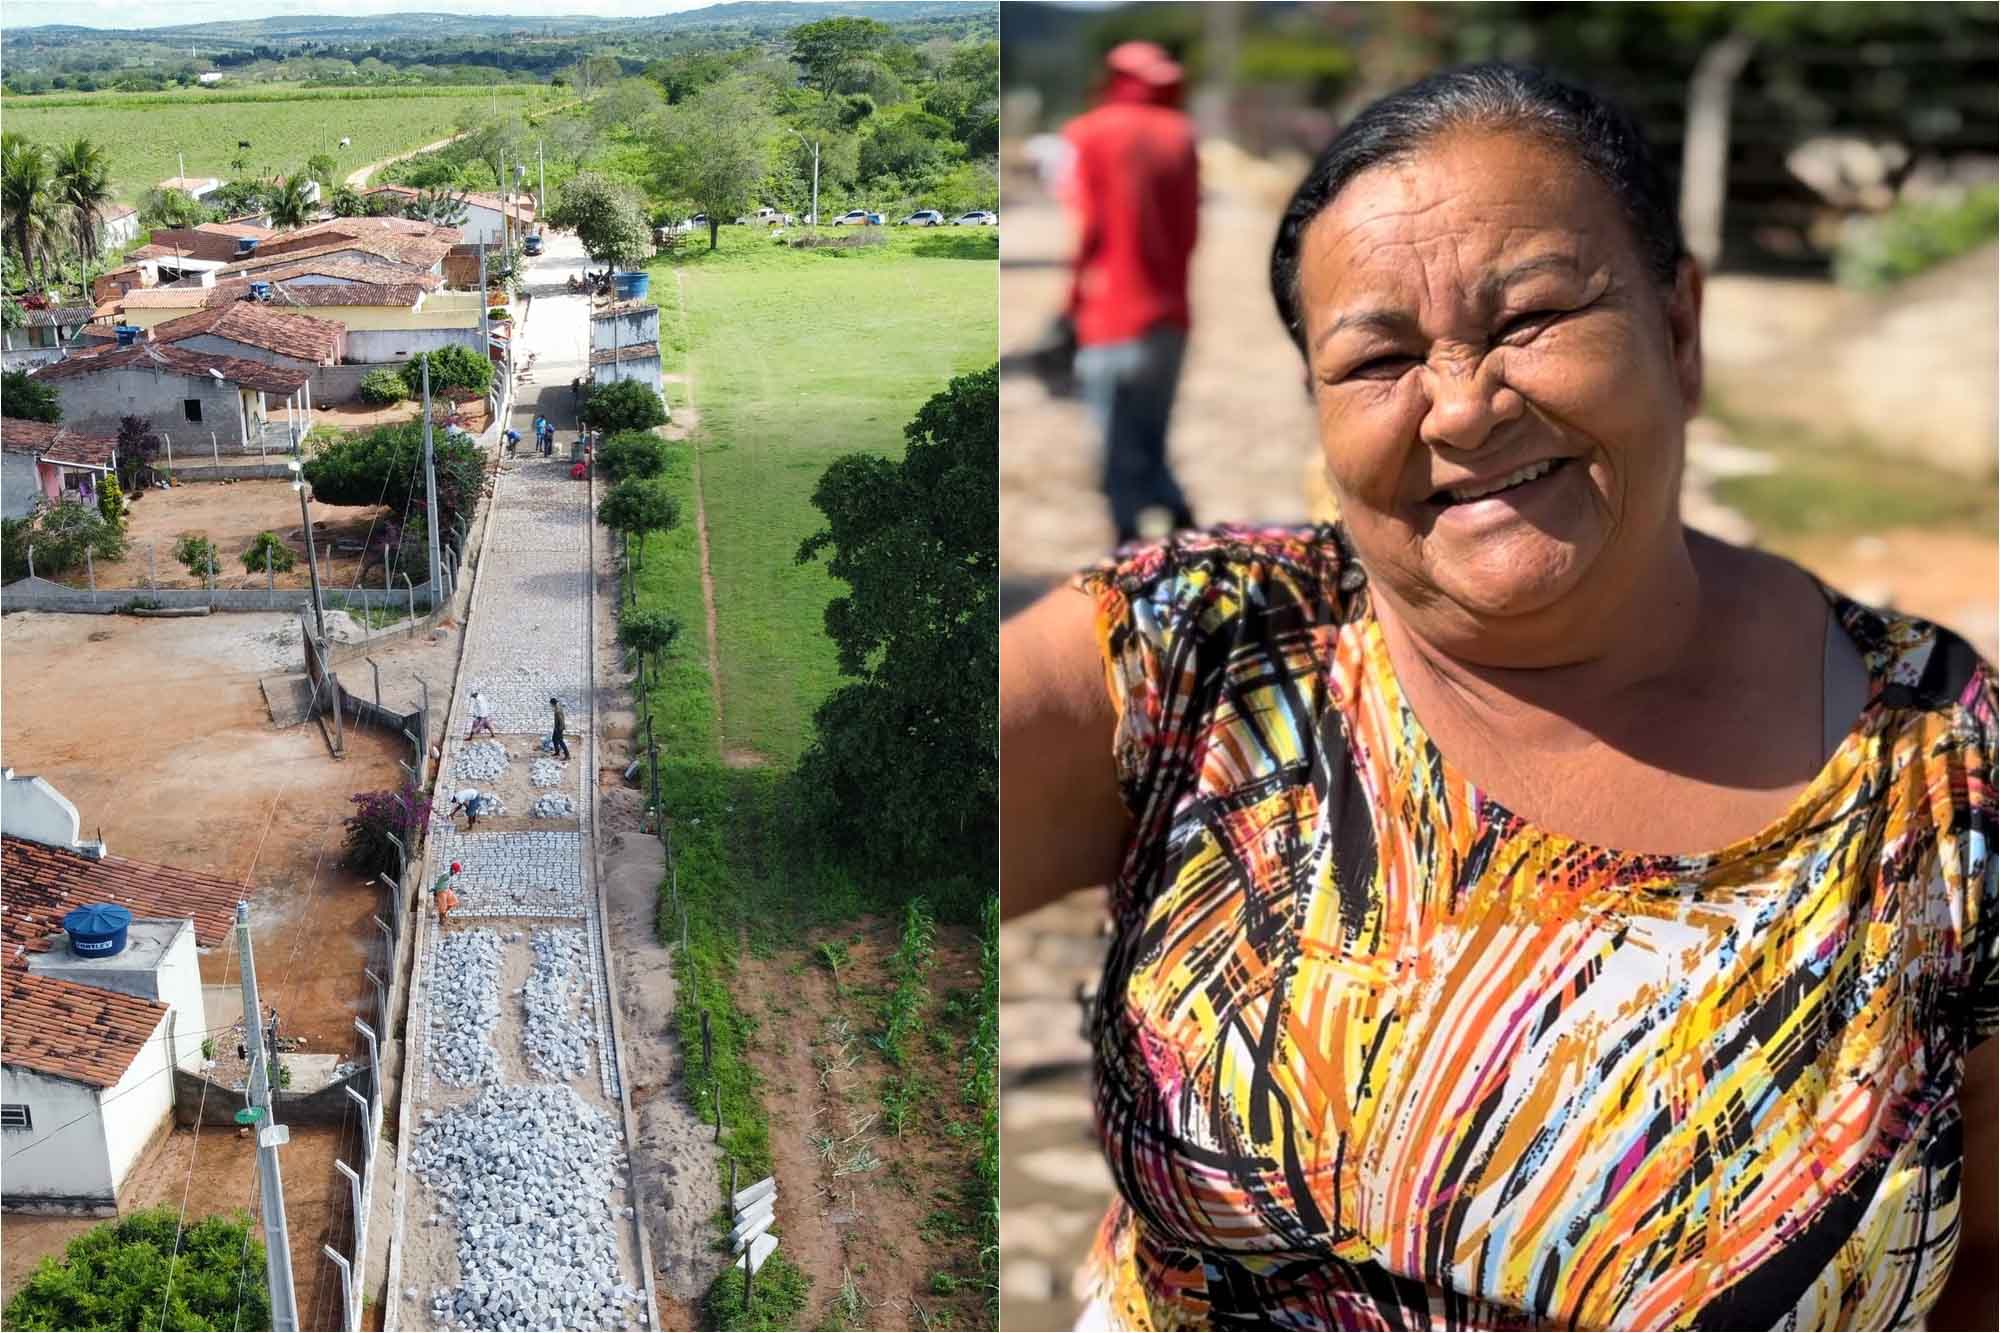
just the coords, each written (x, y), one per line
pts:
(1228, 570)
(1918, 664)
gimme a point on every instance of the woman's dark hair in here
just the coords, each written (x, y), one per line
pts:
(1491, 96)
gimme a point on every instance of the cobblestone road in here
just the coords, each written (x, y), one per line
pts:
(527, 640)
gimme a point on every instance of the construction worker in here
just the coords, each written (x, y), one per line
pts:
(442, 894)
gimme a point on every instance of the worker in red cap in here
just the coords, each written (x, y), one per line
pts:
(442, 895)
(1133, 187)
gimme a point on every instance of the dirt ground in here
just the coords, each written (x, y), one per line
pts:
(892, 1227)
(157, 730)
(231, 514)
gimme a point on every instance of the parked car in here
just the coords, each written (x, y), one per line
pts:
(923, 217)
(533, 245)
(858, 217)
(769, 217)
(978, 217)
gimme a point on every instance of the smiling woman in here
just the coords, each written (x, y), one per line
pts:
(1528, 911)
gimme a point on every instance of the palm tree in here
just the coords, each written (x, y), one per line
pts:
(290, 206)
(27, 201)
(81, 180)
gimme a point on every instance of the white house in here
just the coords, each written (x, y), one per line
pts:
(90, 1044)
(210, 79)
(199, 186)
(42, 336)
(487, 216)
(118, 227)
(625, 344)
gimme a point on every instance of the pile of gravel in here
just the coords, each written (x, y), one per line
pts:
(557, 1038)
(465, 1007)
(546, 772)
(554, 807)
(491, 806)
(528, 1174)
(480, 759)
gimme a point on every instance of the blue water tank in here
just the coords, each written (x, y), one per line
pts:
(98, 931)
(631, 286)
(127, 334)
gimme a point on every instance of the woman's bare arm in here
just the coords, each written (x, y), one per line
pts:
(1967, 1301)
(1062, 823)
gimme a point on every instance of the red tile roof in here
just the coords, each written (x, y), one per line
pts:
(352, 270)
(70, 1030)
(629, 352)
(179, 361)
(257, 324)
(61, 444)
(522, 207)
(44, 882)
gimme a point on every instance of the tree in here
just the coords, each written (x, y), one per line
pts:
(650, 634)
(623, 405)
(290, 206)
(625, 104)
(81, 182)
(28, 201)
(384, 466)
(634, 453)
(606, 216)
(173, 208)
(493, 142)
(197, 554)
(138, 445)
(321, 166)
(570, 139)
(825, 49)
(371, 848)
(347, 202)
(111, 502)
(268, 551)
(26, 398)
(903, 771)
(453, 367)
(130, 1272)
(636, 508)
(240, 197)
(715, 150)
(438, 206)
(590, 75)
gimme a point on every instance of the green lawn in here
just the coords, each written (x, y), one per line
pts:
(799, 357)
(143, 132)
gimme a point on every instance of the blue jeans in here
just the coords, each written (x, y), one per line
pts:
(1129, 387)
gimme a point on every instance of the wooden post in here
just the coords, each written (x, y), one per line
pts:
(90, 571)
(746, 1279)
(214, 446)
(732, 1189)
(1705, 149)
(153, 566)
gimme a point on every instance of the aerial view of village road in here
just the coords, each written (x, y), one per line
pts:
(486, 843)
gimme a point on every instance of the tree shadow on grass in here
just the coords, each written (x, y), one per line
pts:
(966, 243)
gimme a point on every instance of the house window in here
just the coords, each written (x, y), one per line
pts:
(41, 335)
(192, 406)
(14, 1115)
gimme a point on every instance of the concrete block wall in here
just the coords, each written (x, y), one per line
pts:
(95, 403)
(378, 345)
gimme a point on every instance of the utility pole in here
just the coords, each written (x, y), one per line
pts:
(542, 195)
(430, 487)
(277, 1241)
(814, 145)
(312, 554)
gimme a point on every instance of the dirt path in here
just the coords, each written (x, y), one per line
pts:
(358, 178)
(734, 757)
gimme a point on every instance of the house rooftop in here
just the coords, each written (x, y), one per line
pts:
(58, 444)
(44, 882)
(69, 314)
(617, 308)
(259, 324)
(190, 184)
(629, 352)
(68, 1030)
(286, 295)
(147, 943)
(521, 206)
(422, 252)
(179, 361)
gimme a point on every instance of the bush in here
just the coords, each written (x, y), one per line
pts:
(111, 502)
(1911, 237)
(268, 552)
(454, 367)
(130, 1272)
(27, 399)
(377, 815)
(61, 534)
(621, 406)
(498, 313)
(379, 388)
(138, 445)
(632, 454)
(197, 554)
(649, 632)
(14, 548)
(637, 508)
(382, 466)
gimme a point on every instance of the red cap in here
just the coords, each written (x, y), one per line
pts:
(454, 867)
(1147, 62)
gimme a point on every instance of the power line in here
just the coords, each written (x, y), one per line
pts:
(194, 1156)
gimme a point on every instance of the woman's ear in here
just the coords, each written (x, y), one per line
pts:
(1684, 328)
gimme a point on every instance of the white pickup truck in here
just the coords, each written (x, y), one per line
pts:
(769, 217)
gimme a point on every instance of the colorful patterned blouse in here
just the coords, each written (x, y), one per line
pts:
(1374, 1053)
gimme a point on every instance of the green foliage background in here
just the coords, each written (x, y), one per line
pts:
(116, 1276)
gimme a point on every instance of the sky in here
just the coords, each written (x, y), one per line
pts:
(126, 14)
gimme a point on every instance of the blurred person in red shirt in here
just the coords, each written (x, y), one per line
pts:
(1132, 184)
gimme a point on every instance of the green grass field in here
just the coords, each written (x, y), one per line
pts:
(799, 357)
(143, 132)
